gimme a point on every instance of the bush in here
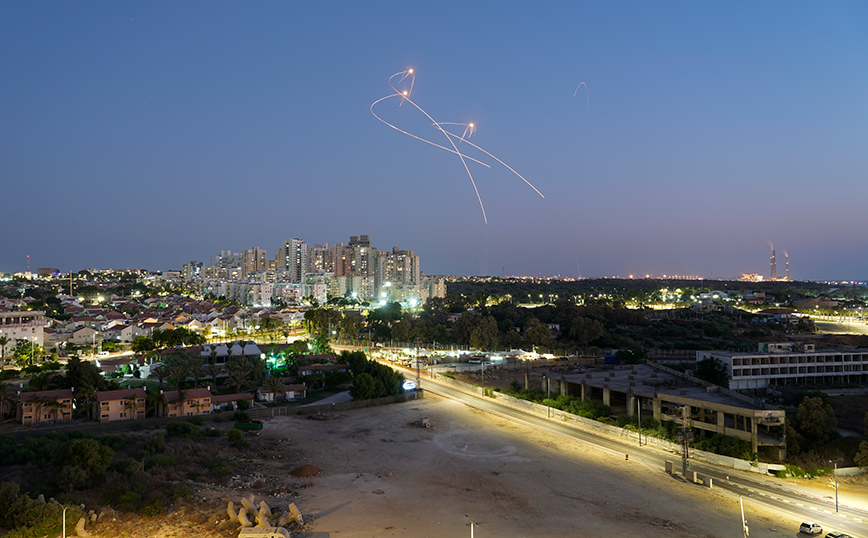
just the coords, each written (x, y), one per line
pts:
(182, 490)
(186, 430)
(242, 404)
(159, 460)
(236, 438)
(198, 420)
(241, 416)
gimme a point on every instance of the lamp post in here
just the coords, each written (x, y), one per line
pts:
(472, 524)
(836, 485)
(64, 516)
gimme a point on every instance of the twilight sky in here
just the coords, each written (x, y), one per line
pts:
(148, 134)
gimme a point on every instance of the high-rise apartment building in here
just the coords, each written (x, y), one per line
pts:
(253, 260)
(295, 259)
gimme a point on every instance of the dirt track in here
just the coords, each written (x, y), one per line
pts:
(384, 476)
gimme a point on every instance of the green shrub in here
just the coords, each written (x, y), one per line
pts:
(186, 430)
(243, 404)
(198, 420)
(182, 490)
(241, 416)
(236, 438)
(129, 501)
(159, 460)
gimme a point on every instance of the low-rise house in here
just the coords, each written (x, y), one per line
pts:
(185, 403)
(114, 405)
(290, 392)
(229, 402)
(84, 336)
(44, 406)
(323, 369)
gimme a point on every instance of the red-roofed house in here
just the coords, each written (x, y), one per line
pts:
(185, 403)
(228, 402)
(290, 392)
(44, 406)
(114, 405)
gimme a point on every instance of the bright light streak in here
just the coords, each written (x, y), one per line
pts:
(587, 95)
(469, 130)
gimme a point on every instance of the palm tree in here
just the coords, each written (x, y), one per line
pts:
(194, 364)
(4, 399)
(130, 405)
(214, 370)
(177, 368)
(159, 372)
(4, 340)
(276, 386)
(237, 372)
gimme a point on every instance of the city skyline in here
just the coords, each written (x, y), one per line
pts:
(667, 139)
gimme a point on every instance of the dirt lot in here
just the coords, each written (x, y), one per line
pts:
(383, 475)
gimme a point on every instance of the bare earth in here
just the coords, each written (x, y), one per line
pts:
(383, 475)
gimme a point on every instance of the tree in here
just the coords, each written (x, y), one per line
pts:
(861, 458)
(142, 344)
(484, 335)
(364, 387)
(4, 399)
(84, 460)
(537, 333)
(713, 371)
(585, 330)
(4, 341)
(816, 421)
(276, 386)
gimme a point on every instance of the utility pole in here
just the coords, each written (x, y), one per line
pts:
(743, 522)
(685, 438)
(639, 409)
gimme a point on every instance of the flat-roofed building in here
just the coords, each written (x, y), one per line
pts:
(789, 363)
(24, 325)
(669, 395)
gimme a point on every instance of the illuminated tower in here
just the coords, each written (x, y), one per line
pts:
(787, 265)
(774, 267)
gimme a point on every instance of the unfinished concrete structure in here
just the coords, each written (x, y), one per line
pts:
(662, 393)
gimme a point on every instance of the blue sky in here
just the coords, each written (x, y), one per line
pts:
(147, 134)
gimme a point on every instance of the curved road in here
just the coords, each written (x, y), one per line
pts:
(773, 495)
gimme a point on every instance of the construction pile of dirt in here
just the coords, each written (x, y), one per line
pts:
(306, 471)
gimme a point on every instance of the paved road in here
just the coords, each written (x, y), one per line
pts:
(801, 506)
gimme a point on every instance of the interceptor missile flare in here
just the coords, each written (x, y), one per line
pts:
(469, 129)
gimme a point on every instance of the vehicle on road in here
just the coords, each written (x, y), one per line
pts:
(837, 534)
(810, 528)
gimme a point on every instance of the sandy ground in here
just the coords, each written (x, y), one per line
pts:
(384, 476)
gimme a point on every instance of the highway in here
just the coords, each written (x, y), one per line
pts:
(773, 495)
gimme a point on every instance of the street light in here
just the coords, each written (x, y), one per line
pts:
(836, 484)
(64, 515)
(472, 524)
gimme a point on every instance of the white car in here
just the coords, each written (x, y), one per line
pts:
(810, 528)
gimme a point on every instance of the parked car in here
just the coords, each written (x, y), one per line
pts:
(810, 528)
(837, 534)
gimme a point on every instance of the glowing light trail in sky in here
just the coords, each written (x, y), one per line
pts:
(469, 129)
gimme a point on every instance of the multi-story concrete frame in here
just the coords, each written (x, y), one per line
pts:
(25, 325)
(791, 364)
